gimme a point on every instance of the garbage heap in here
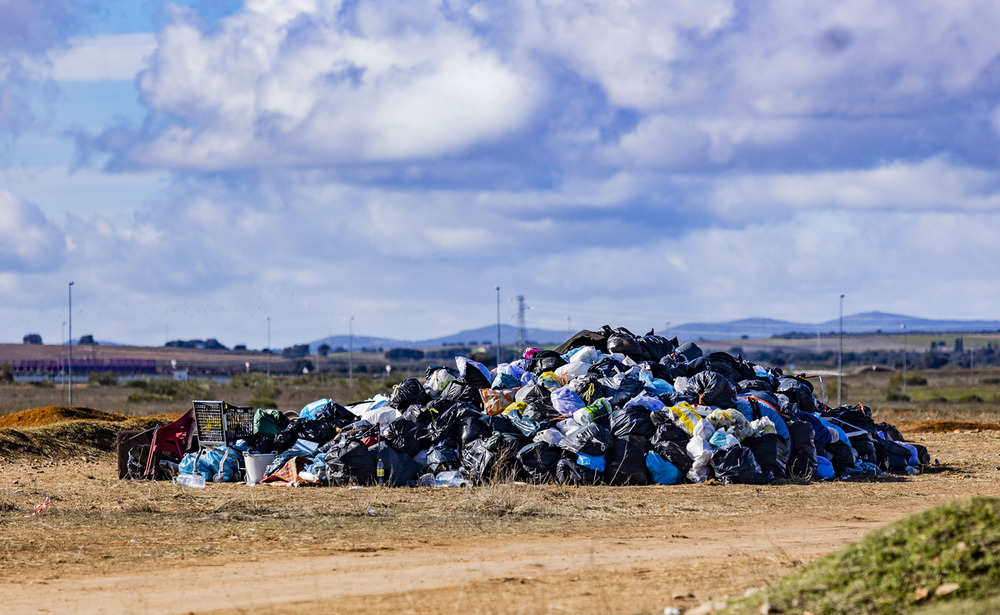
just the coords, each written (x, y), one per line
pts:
(606, 407)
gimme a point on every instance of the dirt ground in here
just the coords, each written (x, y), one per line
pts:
(110, 546)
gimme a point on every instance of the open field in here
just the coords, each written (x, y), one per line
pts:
(110, 546)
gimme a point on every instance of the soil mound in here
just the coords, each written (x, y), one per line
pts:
(49, 415)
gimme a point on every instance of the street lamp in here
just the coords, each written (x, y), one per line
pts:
(350, 353)
(498, 326)
(840, 356)
(903, 327)
(71, 344)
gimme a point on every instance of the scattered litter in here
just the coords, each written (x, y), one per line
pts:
(39, 508)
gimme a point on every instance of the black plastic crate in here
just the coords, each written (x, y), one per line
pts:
(220, 424)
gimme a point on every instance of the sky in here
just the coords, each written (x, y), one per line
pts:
(225, 168)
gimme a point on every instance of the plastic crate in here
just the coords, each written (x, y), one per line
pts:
(220, 424)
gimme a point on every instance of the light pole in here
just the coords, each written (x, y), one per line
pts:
(62, 366)
(71, 344)
(268, 348)
(498, 326)
(903, 327)
(840, 356)
(350, 353)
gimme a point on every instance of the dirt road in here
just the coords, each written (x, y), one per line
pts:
(110, 547)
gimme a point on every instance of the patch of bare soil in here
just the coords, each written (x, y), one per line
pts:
(49, 415)
(109, 546)
(946, 426)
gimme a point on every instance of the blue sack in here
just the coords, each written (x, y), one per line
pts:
(662, 471)
(208, 464)
(824, 468)
(594, 462)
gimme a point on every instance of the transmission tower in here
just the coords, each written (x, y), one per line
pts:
(522, 329)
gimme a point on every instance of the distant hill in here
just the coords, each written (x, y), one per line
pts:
(754, 328)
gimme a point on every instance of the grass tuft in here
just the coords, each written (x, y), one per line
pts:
(898, 569)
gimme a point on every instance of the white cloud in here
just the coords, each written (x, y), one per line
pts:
(28, 240)
(105, 57)
(311, 86)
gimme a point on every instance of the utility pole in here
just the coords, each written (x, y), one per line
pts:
(268, 348)
(498, 325)
(71, 344)
(350, 353)
(840, 356)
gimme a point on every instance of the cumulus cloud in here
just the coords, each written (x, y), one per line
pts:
(318, 83)
(29, 242)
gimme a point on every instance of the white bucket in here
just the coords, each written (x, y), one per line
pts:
(256, 463)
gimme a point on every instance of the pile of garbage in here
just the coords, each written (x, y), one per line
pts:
(606, 407)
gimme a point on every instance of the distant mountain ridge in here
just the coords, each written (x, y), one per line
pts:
(867, 322)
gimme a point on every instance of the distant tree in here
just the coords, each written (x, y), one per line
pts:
(396, 354)
(296, 351)
(323, 350)
(303, 366)
(7, 373)
(32, 338)
(87, 340)
(213, 344)
(240, 347)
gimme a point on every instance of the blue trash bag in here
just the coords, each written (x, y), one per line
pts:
(662, 471)
(594, 462)
(208, 464)
(824, 468)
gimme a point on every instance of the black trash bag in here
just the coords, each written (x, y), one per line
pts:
(477, 459)
(841, 455)
(787, 407)
(767, 384)
(421, 415)
(473, 428)
(890, 431)
(403, 435)
(499, 423)
(584, 338)
(448, 424)
(656, 346)
(802, 456)
(623, 341)
(733, 368)
(712, 389)
(667, 430)
(799, 391)
(284, 440)
(399, 469)
(632, 421)
(539, 460)
(771, 452)
(458, 391)
(588, 387)
(442, 457)
(532, 392)
(594, 439)
(625, 463)
(569, 472)
(546, 361)
(864, 444)
(527, 426)
(351, 462)
(539, 411)
(892, 456)
(340, 415)
(736, 464)
(407, 393)
(607, 367)
(492, 459)
(675, 453)
(697, 366)
(672, 368)
(317, 430)
(627, 389)
(689, 350)
(505, 447)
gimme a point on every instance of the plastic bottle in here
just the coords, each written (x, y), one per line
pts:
(380, 472)
(195, 481)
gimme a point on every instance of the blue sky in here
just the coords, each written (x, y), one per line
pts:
(196, 167)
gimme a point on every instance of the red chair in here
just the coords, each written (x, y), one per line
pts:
(176, 438)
